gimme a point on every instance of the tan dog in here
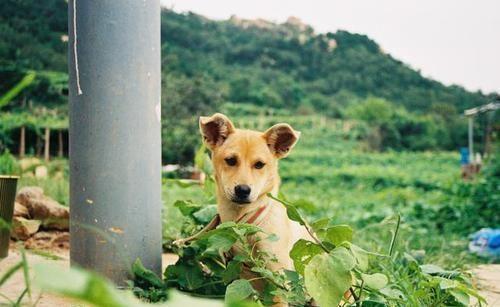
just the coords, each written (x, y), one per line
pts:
(246, 170)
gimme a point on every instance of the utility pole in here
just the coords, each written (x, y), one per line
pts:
(114, 135)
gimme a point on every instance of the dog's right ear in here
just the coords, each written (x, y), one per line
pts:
(215, 129)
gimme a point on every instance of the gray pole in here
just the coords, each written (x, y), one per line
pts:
(471, 140)
(115, 146)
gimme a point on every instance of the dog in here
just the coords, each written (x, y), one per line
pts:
(246, 171)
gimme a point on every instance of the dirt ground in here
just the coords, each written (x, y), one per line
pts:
(487, 278)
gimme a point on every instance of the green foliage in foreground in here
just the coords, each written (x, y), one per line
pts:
(326, 268)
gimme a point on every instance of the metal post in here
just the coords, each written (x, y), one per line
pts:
(471, 140)
(114, 133)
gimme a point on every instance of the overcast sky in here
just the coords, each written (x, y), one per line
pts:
(453, 41)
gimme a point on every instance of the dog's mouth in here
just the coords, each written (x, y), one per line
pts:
(240, 201)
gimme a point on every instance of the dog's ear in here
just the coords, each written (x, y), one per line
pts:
(215, 129)
(281, 138)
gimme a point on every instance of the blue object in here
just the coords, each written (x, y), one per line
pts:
(464, 156)
(486, 243)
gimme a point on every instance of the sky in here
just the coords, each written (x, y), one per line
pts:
(452, 41)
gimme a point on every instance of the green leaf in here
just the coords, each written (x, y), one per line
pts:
(436, 270)
(220, 242)
(18, 88)
(320, 224)
(460, 296)
(375, 281)
(145, 277)
(302, 253)
(13, 269)
(328, 277)
(239, 290)
(231, 272)
(337, 234)
(291, 211)
(183, 183)
(185, 275)
(205, 214)
(79, 284)
(361, 257)
(187, 207)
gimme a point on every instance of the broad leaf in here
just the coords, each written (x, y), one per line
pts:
(328, 277)
(337, 234)
(361, 257)
(205, 214)
(291, 211)
(302, 253)
(239, 290)
(375, 281)
(231, 272)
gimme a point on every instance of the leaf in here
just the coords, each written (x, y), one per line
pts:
(337, 234)
(460, 296)
(239, 290)
(220, 242)
(320, 224)
(183, 183)
(344, 257)
(375, 281)
(13, 269)
(305, 205)
(184, 275)
(435, 270)
(18, 88)
(187, 207)
(231, 272)
(79, 284)
(205, 214)
(302, 252)
(145, 277)
(291, 210)
(361, 257)
(328, 276)
(392, 293)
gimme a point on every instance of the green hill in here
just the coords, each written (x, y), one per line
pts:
(246, 66)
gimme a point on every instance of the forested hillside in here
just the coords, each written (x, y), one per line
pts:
(243, 66)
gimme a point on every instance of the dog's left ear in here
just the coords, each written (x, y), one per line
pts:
(281, 138)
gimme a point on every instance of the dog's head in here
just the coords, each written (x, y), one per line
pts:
(245, 161)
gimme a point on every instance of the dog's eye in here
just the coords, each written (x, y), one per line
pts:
(259, 164)
(231, 161)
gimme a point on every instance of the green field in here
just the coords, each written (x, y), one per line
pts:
(332, 174)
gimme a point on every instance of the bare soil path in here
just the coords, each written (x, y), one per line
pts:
(486, 276)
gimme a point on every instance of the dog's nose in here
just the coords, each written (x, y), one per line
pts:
(242, 191)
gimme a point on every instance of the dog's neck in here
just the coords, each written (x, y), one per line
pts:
(229, 211)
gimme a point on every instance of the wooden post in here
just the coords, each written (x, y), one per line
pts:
(22, 140)
(46, 152)
(60, 150)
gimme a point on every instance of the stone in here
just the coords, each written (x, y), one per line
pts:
(23, 229)
(40, 207)
(20, 210)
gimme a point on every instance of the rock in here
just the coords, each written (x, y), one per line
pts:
(20, 210)
(41, 171)
(52, 240)
(41, 207)
(56, 223)
(23, 229)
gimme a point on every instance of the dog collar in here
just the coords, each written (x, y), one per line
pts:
(255, 216)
